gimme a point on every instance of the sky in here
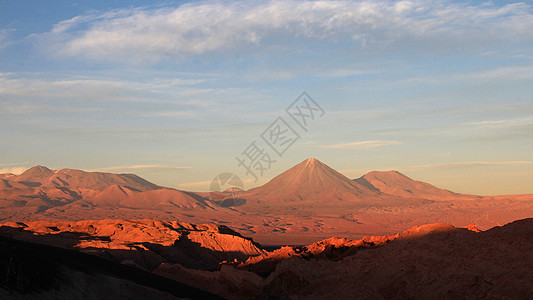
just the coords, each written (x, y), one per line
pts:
(178, 92)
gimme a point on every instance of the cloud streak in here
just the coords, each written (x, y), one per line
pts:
(467, 164)
(89, 88)
(205, 185)
(141, 168)
(362, 144)
(171, 97)
(150, 35)
(506, 124)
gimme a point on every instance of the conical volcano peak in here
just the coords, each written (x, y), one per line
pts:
(310, 171)
(312, 167)
(311, 162)
(310, 180)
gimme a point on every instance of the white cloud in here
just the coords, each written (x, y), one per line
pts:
(362, 144)
(150, 35)
(13, 170)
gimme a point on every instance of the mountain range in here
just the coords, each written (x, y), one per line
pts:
(45, 188)
(309, 201)
(312, 182)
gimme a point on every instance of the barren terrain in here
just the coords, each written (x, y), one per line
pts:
(305, 204)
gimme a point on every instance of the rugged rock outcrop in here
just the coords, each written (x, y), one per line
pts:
(144, 243)
(427, 261)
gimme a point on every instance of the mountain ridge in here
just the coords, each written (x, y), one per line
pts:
(310, 180)
(395, 183)
(51, 188)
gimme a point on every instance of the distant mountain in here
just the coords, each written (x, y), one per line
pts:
(310, 181)
(34, 175)
(78, 179)
(397, 184)
(45, 188)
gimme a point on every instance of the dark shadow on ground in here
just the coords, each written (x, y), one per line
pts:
(42, 271)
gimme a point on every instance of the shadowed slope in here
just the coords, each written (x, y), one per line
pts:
(36, 271)
(434, 261)
(147, 243)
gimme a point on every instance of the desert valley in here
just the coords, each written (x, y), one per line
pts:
(269, 241)
(304, 204)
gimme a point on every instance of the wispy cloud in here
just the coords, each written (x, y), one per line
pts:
(500, 129)
(168, 97)
(505, 74)
(204, 185)
(504, 123)
(362, 145)
(107, 90)
(151, 35)
(98, 88)
(195, 185)
(501, 74)
(140, 167)
(466, 164)
(4, 37)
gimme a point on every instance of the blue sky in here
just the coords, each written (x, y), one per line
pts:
(175, 91)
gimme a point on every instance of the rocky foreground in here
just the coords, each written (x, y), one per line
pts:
(429, 261)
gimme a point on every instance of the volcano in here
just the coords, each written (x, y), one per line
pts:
(311, 181)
